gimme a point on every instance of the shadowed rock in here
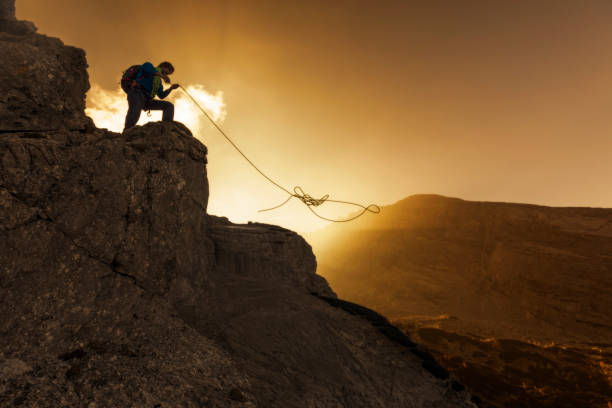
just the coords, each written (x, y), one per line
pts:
(113, 273)
(7, 10)
(43, 82)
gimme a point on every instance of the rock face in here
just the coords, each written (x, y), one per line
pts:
(123, 201)
(117, 289)
(514, 299)
(43, 82)
(7, 10)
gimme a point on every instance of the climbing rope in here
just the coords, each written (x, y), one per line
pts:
(298, 192)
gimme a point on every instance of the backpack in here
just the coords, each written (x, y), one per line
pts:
(128, 76)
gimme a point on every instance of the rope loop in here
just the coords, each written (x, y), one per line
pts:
(298, 192)
(307, 198)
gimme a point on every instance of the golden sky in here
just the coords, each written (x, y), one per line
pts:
(374, 101)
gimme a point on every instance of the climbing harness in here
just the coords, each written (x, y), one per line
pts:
(298, 192)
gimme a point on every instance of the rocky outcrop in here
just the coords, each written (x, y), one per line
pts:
(42, 82)
(265, 251)
(117, 289)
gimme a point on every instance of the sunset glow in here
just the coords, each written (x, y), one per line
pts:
(108, 108)
(370, 103)
(240, 203)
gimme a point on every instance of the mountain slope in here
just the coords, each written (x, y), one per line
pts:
(524, 269)
(462, 276)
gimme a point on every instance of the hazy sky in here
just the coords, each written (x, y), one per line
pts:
(372, 101)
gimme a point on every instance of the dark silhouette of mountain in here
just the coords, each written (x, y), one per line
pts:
(514, 299)
(117, 289)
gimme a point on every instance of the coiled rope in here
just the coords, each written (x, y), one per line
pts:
(298, 192)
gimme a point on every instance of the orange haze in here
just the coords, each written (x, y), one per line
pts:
(375, 101)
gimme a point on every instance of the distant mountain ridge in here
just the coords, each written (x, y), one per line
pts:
(480, 271)
(562, 256)
(433, 209)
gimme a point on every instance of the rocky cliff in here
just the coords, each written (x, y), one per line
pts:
(117, 289)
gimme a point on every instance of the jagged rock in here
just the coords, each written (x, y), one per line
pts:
(43, 82)
(266, 251)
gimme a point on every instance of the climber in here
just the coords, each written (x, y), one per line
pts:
(142, 84)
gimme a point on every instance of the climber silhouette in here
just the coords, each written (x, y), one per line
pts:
(142, 83)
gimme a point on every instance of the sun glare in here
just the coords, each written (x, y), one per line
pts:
(108, 108)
